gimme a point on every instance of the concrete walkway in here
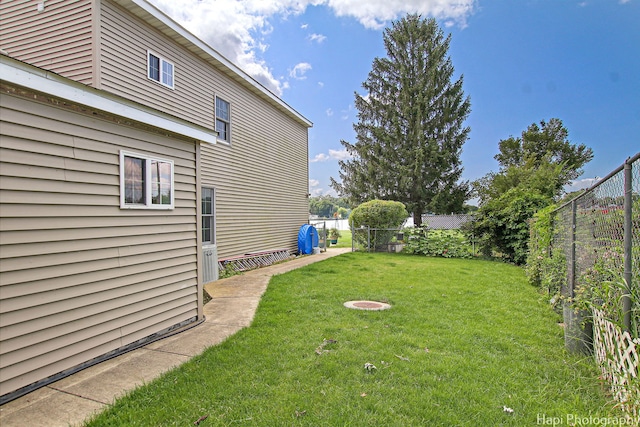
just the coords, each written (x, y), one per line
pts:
(72, 400)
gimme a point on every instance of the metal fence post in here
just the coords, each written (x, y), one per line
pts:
(572, 250)
(628, 202)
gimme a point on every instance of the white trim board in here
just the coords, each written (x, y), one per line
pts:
(39, 80)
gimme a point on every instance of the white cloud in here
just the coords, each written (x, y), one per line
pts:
(376, 14)
(236, 28)
(329, 112)
(340, 154)
(346, 113)
(298, 72)
(319, 158)
(317, 38)
(333, 154)
(580, 184)
(315, 190)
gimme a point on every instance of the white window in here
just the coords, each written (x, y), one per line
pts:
(208, 216)
(223, 119)
(159, 69)
(145, 182)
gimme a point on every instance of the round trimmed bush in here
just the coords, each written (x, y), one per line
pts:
(384, 216)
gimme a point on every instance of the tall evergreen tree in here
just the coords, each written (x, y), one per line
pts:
(410, 132)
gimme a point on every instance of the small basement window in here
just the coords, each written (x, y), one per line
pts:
(159, 69)
(145, 182)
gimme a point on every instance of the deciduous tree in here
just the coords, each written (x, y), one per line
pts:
(533, 170)
(543, 153)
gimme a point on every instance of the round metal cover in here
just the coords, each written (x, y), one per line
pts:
(367, 305)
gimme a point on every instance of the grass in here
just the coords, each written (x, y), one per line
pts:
(463, 340)
(344, 241)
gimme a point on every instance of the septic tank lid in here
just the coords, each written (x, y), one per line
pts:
(367, 305)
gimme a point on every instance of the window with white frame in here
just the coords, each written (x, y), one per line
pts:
(159, 69)
(145, 182)
(223, 119)
(208, 215)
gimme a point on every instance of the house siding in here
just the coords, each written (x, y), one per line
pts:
(261, 178)
(80, 277)
(124, 43)
(58, 39)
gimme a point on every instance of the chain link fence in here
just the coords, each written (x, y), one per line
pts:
(323, 232)
(596, 237)
(395, 239)
(377, 239)
(599, 232)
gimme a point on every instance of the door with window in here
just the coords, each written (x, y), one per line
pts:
(208, 216)
(210, 268)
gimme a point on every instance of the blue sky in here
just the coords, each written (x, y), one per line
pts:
(522, 60)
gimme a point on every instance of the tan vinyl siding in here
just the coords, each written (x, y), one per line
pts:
(125, 41)
(80, 277)
(58, 39)
(261, 178)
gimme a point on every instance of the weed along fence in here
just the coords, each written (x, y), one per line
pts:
(596, 236)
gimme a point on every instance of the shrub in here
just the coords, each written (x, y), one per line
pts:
(554, 277)
(501, 225)
(546, 266)
(602, 286)
(385, 216)
(442, 243)
(541, 237)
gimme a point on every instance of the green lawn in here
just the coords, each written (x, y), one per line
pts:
(465, 342)
(344, 241)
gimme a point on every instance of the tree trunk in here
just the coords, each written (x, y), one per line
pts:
(417, 217)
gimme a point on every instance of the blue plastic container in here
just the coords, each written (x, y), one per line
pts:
(307, 239)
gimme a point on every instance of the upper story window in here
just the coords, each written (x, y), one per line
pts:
(223, 119)
(145, 182)
(159, 69)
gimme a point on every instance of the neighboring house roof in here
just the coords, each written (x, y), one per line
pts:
(157, 19)
(446, 222)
